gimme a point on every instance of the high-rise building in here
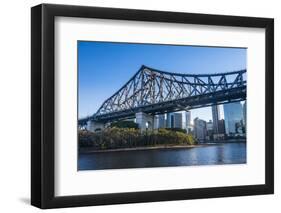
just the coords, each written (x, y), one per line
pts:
(160, 121)
(188, 118)
(220, 136)
(216, 118)
(210, 129)
(221, 126)
(200, 129)
(245, 115)
(170, 120)
(178, 120)
(174, 120)
(233, 115)
(187, 125)
(209, 125)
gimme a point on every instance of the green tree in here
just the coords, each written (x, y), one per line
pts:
(124, 124)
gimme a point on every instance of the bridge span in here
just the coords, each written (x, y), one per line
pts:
(152, 92)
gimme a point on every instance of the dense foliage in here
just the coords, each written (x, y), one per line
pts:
(113, 138)
(124, 124)
(176, 129)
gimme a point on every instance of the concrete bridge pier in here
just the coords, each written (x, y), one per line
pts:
(94, 126)
(145, 121)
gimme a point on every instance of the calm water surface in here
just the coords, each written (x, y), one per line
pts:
(225, 153)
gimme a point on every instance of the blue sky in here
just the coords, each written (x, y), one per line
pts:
(104, 67)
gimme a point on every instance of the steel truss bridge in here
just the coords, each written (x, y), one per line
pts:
(155, 92)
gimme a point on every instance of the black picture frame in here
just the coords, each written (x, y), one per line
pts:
(43, 117)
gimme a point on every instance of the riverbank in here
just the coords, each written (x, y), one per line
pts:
(85, 150)
(92, 150)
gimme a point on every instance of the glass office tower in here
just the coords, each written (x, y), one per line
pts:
(233, 115)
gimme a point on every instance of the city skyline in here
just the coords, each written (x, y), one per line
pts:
(126, 59)
(234, 123)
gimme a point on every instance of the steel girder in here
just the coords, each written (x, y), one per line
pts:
(155, 92)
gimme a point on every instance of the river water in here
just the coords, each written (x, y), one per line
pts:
(213, 154)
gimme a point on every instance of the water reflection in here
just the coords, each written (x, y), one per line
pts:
(227, 153)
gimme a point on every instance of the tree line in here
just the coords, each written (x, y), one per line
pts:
(116, 137)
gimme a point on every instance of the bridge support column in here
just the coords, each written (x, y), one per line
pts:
(94, 126)
(145, 121)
